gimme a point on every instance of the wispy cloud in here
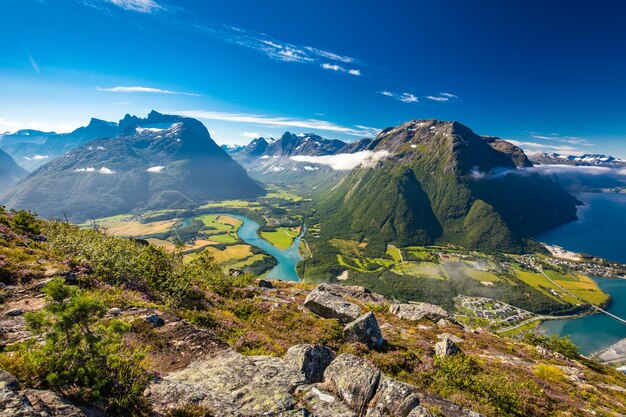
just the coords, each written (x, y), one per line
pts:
(403, 97)
(408, 98)
(286, 122)
(251, 135)
(433, 98)
(339, 68)
(443, 97)
(542, 147)
(574, 140)
(141, 6)
(280, 50)
(137, 89)
(32, 61)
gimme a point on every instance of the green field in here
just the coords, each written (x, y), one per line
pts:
(481, 276)
(281, 237)
(394, 253)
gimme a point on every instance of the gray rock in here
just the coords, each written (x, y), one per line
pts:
(446, 347)
(418, 311)
(14, 312)
(357, 292)
(364, 330)
(393, 399)
(420, 412)
(155, 320)
(230, 384)
(326, 303)
(322, 403)
(115, 311)
(32, 403)
(49, 403)
(353, 380)
(311, 360)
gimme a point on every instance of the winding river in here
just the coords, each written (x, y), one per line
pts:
(287, 259)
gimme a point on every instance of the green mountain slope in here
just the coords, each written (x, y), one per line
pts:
(159, 162)
(441, 183)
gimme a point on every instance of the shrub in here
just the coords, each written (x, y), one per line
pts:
(81, 356)
(25, 223)
(562, 345)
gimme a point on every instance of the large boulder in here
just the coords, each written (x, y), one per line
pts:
(353, 380)
(230, 384)
(364, 330)
(446, 347)
(357, 292)
(311, 360)
(421, 412)
(418, 311)
(324, 302)
(393, 399)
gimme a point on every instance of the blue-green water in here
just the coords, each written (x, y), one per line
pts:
(287, 259)
(596, 332)
(601, 231)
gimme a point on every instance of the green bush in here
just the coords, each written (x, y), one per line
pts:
(81, 357)
(25, 223)
(562, 345)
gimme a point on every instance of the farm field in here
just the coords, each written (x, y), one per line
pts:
(282, 237)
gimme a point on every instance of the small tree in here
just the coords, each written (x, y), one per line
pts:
(26, 223)
(82, 357)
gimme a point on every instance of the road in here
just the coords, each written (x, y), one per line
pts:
(600, 310)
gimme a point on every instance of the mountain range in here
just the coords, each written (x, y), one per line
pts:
(33, 148)
(578, 160)
(158, 162)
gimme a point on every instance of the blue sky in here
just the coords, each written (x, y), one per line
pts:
(549, 76)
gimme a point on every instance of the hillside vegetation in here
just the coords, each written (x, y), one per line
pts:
(89, 299)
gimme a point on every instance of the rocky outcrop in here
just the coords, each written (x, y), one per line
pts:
(326, 303)
(418, 311)
(230, 384)
(353, 380)
(364, 330)
(32, 403)
(357, 292)
(311, 360)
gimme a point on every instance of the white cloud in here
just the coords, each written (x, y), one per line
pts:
(339, 68)
(141, 6)
(103, 170)
(332, 67)
(137, 89)
(32, 61)
(345, 161)
(278, 50)
(310, 168)
(542, 147)
(251, 135)
(449, 95)
(408, 98)
(622, 172)
(574, 140)
(155, 169)
(433, 98)
(313, 124)
(403, 97)
(330, 55)
(36, 157)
